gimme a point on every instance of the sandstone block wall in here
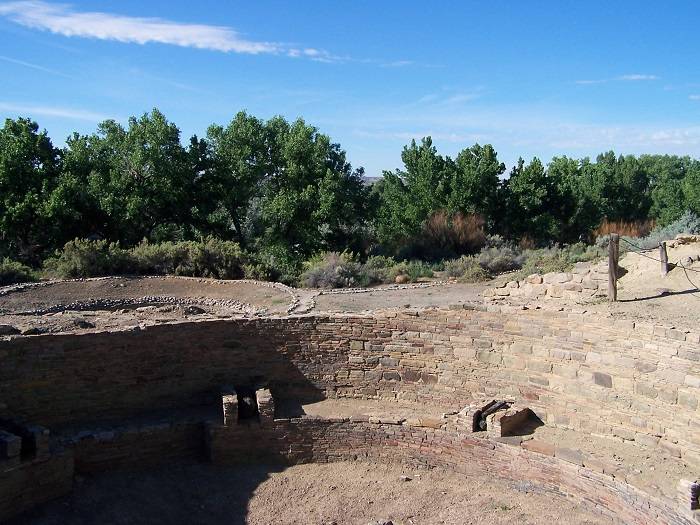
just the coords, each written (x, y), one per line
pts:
(628, 381)
(312, 439)
(30, 483)
(584, 281)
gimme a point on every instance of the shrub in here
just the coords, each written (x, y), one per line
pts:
(166, 258)
(475, 274)
(495, 241)
(259, 271)
(466, 269)
(84, 258)
(274, 263)
(414, 270)
(557, 259)
(206, 258)
(13, 272)
(456, 233)
(499, 260)
(378, 269)
(215, 258)
(331, 270)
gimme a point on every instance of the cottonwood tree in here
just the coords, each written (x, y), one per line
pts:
(430, 183)
(29, 164)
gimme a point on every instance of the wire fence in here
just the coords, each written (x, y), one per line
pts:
(639, 250)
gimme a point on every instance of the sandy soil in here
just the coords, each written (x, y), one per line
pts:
(76, 311)
(135, 288)
(70, 306)
(339, 493)
(330, 408)
(644, 294)
(649, 467)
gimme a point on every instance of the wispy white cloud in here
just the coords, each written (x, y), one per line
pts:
(64, 20)
(528, 130)
(636, 77)
(694, 97)
(398, 63)
(587, 82)
(449, 97)
(32, 111)
(33, 66)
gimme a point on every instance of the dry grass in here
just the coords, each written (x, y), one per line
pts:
(459, 232)
(527, 243)
(639, 228)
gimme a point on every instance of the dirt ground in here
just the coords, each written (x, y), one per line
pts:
(134, 288)
(314, 494)
(119, 303)
(643, 295)
(653, 468)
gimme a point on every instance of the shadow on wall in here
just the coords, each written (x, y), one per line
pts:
(182, 493)
(122, 375)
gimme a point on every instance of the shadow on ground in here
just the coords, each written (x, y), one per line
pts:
(662, 293)
(184, 493)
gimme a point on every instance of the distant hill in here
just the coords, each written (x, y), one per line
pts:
(371, 180)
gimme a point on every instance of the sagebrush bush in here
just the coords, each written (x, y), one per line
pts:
(499, 260)
(13, 272)
(466, 269)
(557, 259)
(343, 270)
(331, 270)
(160, 258)
(206, 258)
(215, 258)
(86, 258)
(378, 269)
(414, 270)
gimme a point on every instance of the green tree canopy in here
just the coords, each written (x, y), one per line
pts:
(29, 165)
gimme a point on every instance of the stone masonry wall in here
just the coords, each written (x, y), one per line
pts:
(33, 482)
(633, 382)
(312, 439)
(586, 280)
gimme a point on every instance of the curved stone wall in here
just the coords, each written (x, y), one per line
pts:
(313, 439)
(632, 382)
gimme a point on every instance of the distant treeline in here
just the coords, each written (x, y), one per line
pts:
(285, 192)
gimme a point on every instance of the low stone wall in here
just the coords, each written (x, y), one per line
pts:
(136, 446)
(584, 281)
(31, 483)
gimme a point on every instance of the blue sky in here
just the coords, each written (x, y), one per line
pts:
(533, 78)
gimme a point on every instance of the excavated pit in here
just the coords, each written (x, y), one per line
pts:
(428, 415)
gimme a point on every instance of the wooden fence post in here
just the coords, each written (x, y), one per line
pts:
(663, 255)
(613, 253)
